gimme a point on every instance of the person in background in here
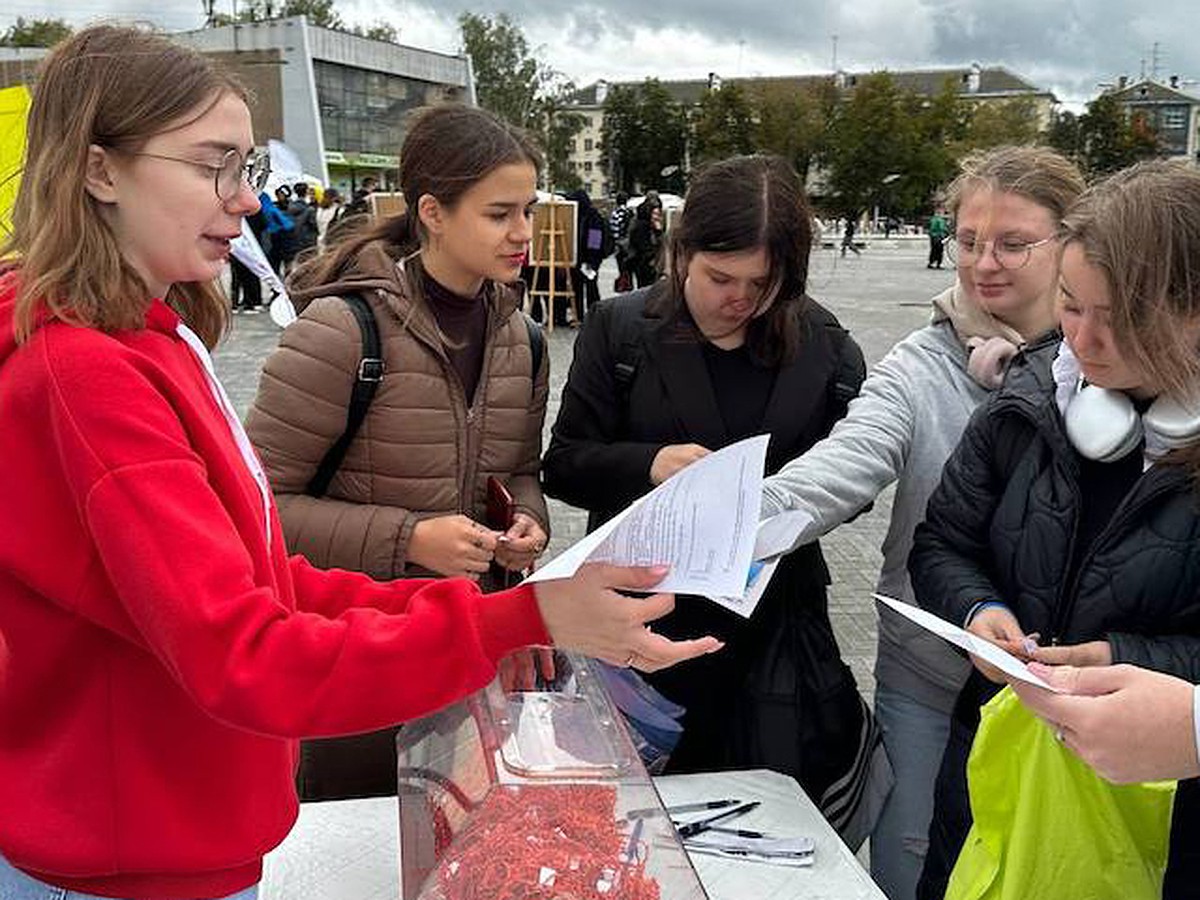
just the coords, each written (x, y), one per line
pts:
(729, 346)
(279, 229)
(901, 429)
(360, 198)
(329, 213)
(161, 649)
(939, 229)
(593, 246)
(848, 233)
(459, 402)
(619, 222)
(245, 288)
(304, 217)
(1066, 526)
(646, 240)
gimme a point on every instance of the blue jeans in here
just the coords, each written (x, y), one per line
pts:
(915, 737)
(16, 885)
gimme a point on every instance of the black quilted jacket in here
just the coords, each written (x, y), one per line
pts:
(1002, 525)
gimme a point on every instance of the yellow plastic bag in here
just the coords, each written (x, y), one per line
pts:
(1047, 826)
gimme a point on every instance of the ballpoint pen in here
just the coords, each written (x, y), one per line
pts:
(739, 832)
(700, 806)
(692, 828)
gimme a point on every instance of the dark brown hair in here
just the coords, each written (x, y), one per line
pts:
(448, 149)
(1141, 227)
(743, 204)
(115, 87)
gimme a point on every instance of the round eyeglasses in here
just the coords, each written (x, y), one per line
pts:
(1009, 253)
(230, 173)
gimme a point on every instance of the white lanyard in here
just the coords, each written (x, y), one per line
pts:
(235, 426)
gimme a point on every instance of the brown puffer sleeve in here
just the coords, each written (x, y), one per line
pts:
(298, 413)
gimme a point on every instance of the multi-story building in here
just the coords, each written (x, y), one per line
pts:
(338, 100)
(974, 84)
(1172, 114)
(585, 154)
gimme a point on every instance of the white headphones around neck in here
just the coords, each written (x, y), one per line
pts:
(1104, 425)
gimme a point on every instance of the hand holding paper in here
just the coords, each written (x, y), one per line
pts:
(986, 650)
(701, 523)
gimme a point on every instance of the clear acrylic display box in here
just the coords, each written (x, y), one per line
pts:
(534, 794)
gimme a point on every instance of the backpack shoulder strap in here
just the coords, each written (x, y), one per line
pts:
(537, 344)
(849, 371)
(366, 382)
(625, 346)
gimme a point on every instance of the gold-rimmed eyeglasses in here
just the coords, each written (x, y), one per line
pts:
(230, 173)
(1008, 252)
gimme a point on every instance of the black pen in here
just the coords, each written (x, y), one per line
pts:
(700, 806)
(692, 828)
(739, 832)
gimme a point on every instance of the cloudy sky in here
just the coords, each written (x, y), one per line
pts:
(1068, 46)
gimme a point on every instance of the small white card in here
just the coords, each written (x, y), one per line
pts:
(986, 650)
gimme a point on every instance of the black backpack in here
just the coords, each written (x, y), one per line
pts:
(366, 383)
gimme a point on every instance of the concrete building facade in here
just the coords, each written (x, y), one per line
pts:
(339, 100)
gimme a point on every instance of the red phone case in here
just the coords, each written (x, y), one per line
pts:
(501, 508)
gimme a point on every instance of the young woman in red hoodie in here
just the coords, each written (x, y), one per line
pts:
(159, 650)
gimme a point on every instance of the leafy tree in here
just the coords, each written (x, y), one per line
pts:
(620, 136)
(35, 33)
(793, 122)
(318, 12)
(1064, 136)
(996, 123)
(379, 31)
(644, 135)
(559, 125)
(513, 83)
(723, 124)
(939, 128)
(872, 137)
(1110, 140)
(508, 78)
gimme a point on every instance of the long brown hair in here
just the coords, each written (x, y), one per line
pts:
(116, 87)
(743, 204)
(1141, 227)
(448, 149)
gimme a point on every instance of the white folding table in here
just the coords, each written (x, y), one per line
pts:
(347, 850)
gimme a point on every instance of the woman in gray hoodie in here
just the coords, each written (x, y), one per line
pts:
(1007, 204)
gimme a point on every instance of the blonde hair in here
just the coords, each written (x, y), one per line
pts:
(1141, 227)
(115, 87)
(1040, 174)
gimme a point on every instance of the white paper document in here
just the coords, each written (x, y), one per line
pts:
(777, 534)
(986, 650)
(702, 522)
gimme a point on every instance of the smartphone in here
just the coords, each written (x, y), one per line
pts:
(500, 512)
(501, 508)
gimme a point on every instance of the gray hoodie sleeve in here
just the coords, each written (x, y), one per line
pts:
(865, 452)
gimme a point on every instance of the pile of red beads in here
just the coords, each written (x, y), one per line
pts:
(547, 842)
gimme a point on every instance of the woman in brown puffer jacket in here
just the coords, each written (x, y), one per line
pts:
(459, 401)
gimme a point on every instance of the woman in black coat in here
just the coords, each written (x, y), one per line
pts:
(1069, 516)
(646, 240)
(726, 347)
